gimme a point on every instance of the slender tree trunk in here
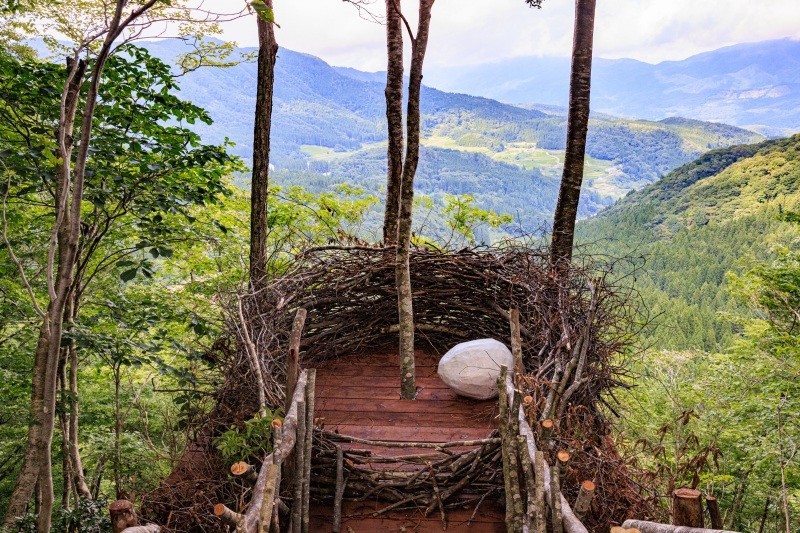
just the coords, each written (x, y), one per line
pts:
(394, 119)
(267, 53)
(63, 420)
(764, 516)
(741, 489)
(405, 306)
(75, 475)
(117, 435)
(577, 126)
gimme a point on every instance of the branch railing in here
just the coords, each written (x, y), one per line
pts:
(540, 482)
(291, 455)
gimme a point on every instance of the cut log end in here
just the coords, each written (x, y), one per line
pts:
(563, 457)
(120, 505)
(219, 509)
(239, 469)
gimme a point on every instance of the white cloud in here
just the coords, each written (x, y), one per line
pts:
(475, 31)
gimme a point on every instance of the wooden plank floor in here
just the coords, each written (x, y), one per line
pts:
(359, 396)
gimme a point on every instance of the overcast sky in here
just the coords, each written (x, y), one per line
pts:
(476, 31)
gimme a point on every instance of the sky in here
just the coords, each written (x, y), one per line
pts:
(465, 32)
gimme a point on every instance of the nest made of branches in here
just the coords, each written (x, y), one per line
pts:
(351, 300)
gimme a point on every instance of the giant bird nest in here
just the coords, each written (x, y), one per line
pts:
(350, 296)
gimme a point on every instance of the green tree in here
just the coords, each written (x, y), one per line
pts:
(138, 168)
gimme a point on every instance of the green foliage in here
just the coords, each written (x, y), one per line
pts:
(90, 516)
(695, 225)
(254, 437)
(463, 217)
(724, 274)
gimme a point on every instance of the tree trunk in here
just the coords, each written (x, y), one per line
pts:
(402, 268)
(394, 119)
(267, 53)
(77, 476)
(577, 125)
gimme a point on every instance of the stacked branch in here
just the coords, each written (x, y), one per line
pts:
(433, 481)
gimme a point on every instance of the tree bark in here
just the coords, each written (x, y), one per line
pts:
(577, 126)
(419, 44)
(394, 120)
(267, 53)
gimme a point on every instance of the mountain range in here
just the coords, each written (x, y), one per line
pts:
(753, 85)
(331, 120)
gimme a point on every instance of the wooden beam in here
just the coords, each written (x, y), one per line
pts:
(293, 357)
(653, 527)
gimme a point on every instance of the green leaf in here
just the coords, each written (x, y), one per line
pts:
(128, 274)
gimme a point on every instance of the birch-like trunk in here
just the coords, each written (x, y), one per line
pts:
(577, 125)
(419, 44)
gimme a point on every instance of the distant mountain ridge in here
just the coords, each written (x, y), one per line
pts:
(755, 85)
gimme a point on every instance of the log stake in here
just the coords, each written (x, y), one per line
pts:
(245, 472)
(584, 500)
(713, 512)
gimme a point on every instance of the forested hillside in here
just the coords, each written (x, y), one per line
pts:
(713, 247)
(702, 220)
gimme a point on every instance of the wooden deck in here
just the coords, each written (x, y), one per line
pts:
(359, 396)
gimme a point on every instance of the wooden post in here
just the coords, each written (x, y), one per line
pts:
(122, 515)
(307, 447)
(297, 503)
(540, 525)
(530, 481)
(555, 502)
(508, 446)
(545, 431)
(516, 343)
(584, 500)
(337, 500)
(268, 503)
(687, 508)
(713, 512)
(228, 516)
(562, 459)
(293, 359)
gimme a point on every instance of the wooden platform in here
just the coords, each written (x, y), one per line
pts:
(359, 396)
